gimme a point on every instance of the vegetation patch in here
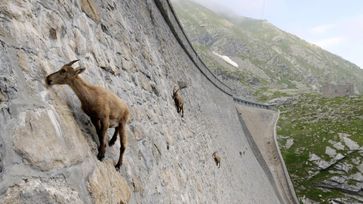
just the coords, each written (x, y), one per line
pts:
(315, 123)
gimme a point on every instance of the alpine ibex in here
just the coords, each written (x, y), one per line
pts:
(105, 109)
(179, 102)
(217, 159)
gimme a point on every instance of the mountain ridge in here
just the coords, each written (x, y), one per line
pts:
(268, 57)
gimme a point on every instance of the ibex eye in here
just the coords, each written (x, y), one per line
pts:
(62, 71)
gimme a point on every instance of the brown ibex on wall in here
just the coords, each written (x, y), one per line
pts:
(217, 159)
(179, 102)
(105, 109)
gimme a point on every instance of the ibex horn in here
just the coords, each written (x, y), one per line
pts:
(74, 61)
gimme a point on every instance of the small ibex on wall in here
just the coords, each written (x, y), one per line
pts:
(217, 159)
(105, 109)
(179, 102)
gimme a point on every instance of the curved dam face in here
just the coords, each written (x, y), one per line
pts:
(48, 145)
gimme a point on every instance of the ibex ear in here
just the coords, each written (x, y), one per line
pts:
(79, 70)
(70, 64)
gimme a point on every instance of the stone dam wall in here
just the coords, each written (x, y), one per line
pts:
(48, 146)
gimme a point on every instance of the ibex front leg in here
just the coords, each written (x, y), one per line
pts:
(96, 124)
(103, 138)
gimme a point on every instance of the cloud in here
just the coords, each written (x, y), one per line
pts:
(353, 27)
(236, 7)
(248, 8)
(321, 29)
(342, 37)
(328, 43)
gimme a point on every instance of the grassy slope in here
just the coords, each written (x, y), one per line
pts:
(312, 121)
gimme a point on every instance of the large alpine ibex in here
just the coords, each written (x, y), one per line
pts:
(105, 109)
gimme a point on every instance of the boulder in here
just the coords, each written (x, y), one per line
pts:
(91, 9)
(29, 191)
(106, 185)
(48, 140)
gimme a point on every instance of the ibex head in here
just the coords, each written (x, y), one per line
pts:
(64, 75)
(175, 90)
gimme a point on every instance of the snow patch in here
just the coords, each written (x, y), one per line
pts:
(227, 59)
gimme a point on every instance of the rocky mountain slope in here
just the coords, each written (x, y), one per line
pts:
(321, 140)
(48, 146)
(265, 60)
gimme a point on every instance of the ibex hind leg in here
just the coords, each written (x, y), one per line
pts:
(123, 141)
(114, 137)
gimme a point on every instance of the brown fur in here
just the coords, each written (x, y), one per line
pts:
(217, 159)
(179, 102)
(105, 109)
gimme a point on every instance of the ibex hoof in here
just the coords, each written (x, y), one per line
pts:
(100, 156)
(111, 142)
(117, 166)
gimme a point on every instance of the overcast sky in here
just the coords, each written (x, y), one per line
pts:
(335, 25)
